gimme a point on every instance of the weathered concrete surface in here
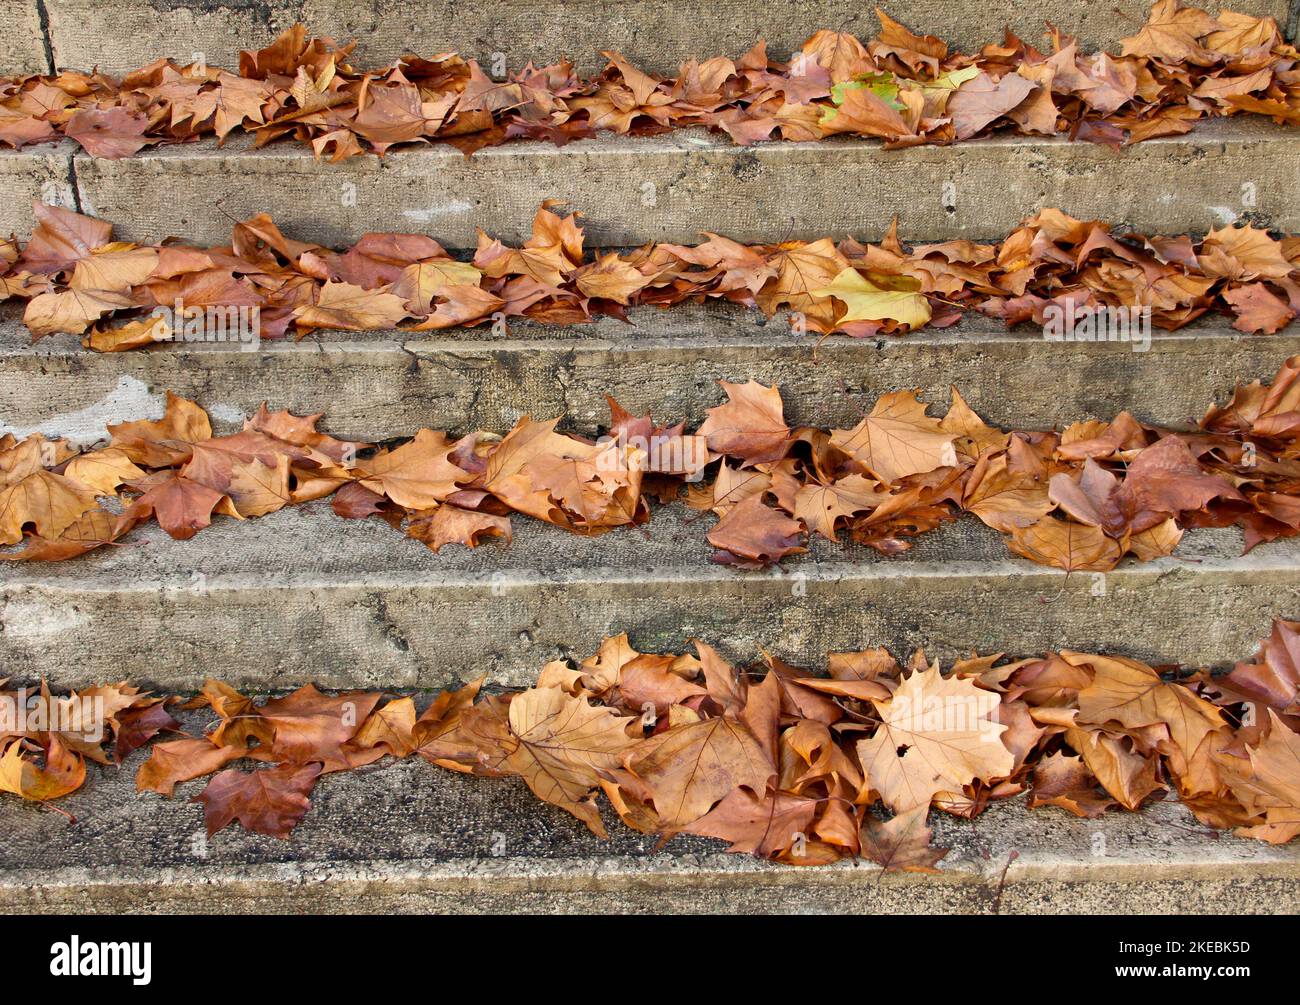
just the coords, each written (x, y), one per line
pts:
(672, 187)
(383, 385)
(23, 40)
(406, 837)
(302, 594)
(42, 172)
(121, 35)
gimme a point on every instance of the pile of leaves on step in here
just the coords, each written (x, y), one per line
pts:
(121, 296)
(786, 765)
(1183, 65)
(1080, 499)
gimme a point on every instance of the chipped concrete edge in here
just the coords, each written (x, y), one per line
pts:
(682, 884)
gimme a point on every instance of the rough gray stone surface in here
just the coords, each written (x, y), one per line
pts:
(304, 595)
(407, 836)
(36, 173)
(380, 385)
(674, 186)
(124, 34)
(23, 39)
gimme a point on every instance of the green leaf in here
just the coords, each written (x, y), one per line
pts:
(882, 85)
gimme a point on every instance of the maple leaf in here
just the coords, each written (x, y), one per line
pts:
(64, 771)
(1171, 32)
(166, 441)
(418, 475)
(1128, 776)
(110, 133)
(1243, 253)
(1132, 694)
(271, 801)
(753, 534)
(71, 311)
(309, 726)
(114, 268)
(868, 302)
(559, 744)
(800, 269)
(351, 308)
(897, 439)
(420, 282)
(1066, 545)
(137, 726)
(1004, 497)
(182, 761)
(765, 825)
(901, 843)
(610, 278)
(820, 506)
(859, 109)
(750, 426)
(181, 506)
(1063, 780)
(1164, 479)
(1258, 309)
(61, 238)
(1274, 677)
(935, 736)
(689, 768)
(982, 99)
(453, 525)
(29, 493)
(389, 729)
(839, 52)
(1271, 788)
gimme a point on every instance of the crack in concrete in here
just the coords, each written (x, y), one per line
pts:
(43, 19)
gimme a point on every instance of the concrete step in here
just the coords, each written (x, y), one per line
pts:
(672, 187)
(409, 837)
(121, 35)
(374, 386)
(23, 42)
(304, 595)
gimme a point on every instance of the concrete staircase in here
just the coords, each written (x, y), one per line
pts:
(301, 595)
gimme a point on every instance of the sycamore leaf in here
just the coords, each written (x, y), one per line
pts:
(64, 771)
(1066, 545)
(868, 302)
(271, 801)
(901, 843)
(559, 744)
(897, 439)
(750, 426)
(181, 761)
(689, 768)
(418, 475)
(935, 736)
(1132, 694)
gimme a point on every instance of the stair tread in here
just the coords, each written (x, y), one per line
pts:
(270, 551)
(408, 830)
(671, 187)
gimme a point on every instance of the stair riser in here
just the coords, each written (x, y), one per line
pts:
(124, 34)
(672, 189)
(22, 44)
(431, 631)
(372, 390)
